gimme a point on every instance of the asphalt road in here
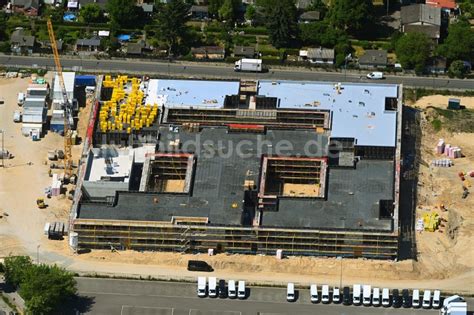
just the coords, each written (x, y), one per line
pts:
(195, 70)
(134, 297)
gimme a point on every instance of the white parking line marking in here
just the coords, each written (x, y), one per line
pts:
(146, 307)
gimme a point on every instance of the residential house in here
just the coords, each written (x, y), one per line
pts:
(88, 44)
(199, 12)
(244, 51)
(208, 52)
(45, 46)
(21, 43)
(309, 16)
(147, 8)
(303, 4)
(27, 7)
(421, 18)
(373, 58)
(442, 4)
(436, 65)
(318, 55)
(137, 49)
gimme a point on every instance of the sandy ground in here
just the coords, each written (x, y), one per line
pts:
(24, 179)
(442, 101)
(444, 262)
(449, 251)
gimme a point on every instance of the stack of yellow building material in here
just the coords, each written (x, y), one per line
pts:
(126, 110)
(431, 221)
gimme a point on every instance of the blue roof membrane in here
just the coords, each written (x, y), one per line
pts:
(190, 93)
(358, 111)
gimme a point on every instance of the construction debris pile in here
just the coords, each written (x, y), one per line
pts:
(126, 110)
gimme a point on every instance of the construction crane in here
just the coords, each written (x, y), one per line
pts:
(66, 104)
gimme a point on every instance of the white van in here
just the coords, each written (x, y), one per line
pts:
(313, 290)
(356, 294)
(212, 287)
(375, 75)
(336, 295)
(367, 295)
(16, 116)
(325, 294)
(376, 297)
(436, 299)
(241, 294)
(415, 300)
(290, 292)
(201, 288)
(385, 297)
(231, 290)
(21, 99)
(426, 299)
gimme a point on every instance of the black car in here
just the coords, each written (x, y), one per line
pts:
(406, 300)
(222, 289)
(199, 265)
(346, 296)
(396, 299)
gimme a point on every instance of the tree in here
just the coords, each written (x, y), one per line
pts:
(459, 44)
(281, 22)
(413, 51)
(124, 13)
(15, 269)
(214, 6)
(321, 33)
(172, 29)
(42, 287)
(318, 5)
(228, 11)
(351, 15)
(45, 287)
(250, 13)
(457, 69)
(3, 26)
(91, 13)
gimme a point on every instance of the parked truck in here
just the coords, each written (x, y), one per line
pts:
(249, 65)
(453, 305)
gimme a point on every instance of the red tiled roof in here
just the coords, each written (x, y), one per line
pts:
(448, 4)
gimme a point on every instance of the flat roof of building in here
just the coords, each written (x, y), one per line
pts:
(219, 182)
(109, 163)
(358, 111)
(190, 93)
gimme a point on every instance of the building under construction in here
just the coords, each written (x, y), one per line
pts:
(249, 167)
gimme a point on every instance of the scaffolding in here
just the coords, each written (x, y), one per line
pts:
(274, 118)
(195, 235)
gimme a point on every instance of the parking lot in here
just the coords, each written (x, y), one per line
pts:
(113, 296)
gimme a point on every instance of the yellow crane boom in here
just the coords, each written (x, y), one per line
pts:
(66, 102)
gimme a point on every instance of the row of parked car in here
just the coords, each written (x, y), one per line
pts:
(218, 289)
(368, 296)
(360, 294)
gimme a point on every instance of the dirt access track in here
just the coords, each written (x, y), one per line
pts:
(444, 263)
